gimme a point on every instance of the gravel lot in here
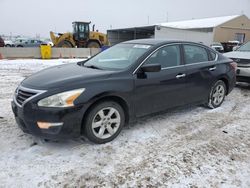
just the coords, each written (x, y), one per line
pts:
(186, 147)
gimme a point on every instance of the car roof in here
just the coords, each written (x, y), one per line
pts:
(156, 42)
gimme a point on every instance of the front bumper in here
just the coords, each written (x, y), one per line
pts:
(243, 74)
(28, 115)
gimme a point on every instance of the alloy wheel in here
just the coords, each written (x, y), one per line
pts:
(106, 122)
(218, 94)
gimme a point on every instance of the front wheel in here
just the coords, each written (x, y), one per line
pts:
(93, 44)
(65, 44)
(217, 94)
(104, 122)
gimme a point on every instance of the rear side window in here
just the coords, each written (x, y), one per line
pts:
(213, 55)
(195, 54)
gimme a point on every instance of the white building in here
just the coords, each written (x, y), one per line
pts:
(206, 30)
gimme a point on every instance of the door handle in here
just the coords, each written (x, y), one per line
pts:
(212, 68)
(180, 76)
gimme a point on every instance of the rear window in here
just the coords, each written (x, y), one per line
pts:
(213, 55)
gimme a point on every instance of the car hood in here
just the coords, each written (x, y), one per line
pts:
(238, 55)
(62, 76)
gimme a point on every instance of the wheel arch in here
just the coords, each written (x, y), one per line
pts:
(226, 81)
(104, 98)
(94, 40)
(65, 41)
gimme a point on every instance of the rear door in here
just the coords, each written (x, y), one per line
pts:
(156, 91)
(201, 72)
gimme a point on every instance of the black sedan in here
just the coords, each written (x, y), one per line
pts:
(97, 97)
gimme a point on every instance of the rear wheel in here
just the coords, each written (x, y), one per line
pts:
(93, 44)
(104, 122)
(217, 94)
(65, 44)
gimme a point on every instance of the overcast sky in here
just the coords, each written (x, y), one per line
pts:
(38, 17)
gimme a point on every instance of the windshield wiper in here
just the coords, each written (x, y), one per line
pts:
(92, 67)
(81, 63)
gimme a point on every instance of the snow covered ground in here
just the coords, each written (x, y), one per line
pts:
(185, 147)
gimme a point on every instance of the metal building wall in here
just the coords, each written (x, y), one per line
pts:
(181, 34)
(120, 35)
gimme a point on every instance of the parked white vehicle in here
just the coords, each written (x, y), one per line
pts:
(217, 46)
(49, 43)
(9, 43)
(242, 57)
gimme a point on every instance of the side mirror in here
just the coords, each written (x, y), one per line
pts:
(151, 68)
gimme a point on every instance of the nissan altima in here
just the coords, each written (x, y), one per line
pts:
(97, 97)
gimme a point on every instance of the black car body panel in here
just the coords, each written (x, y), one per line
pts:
(27, 120)
(139, 93)
(148, 91)
(63, 76)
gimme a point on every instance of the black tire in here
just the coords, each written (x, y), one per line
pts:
(217, 94)
(93, 44)
(20, 46)
(8, 45)
(97, 129)
(65, 44)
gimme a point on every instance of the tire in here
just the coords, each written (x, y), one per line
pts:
(104, 122)
(20, 46)
(8, 45)
(65, 44)
(217, 95)
(93, 44)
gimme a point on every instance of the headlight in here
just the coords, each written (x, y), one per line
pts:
(65, 99)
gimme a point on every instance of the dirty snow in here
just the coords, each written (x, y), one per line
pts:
(186, 147)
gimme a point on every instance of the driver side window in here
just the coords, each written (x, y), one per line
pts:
(168, 56)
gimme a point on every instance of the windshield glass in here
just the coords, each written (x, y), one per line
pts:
(244, 47)
(118, 57)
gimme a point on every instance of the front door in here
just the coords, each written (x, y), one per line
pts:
(157, 91)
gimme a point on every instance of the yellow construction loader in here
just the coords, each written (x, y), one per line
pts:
(81, 37)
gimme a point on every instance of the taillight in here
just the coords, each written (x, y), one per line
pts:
(234, 66)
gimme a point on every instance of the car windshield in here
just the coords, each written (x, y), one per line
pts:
(118, 57)
(245, 47)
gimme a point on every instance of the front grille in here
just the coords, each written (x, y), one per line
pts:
(22, 96)
(243, 65)
(243, 62)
